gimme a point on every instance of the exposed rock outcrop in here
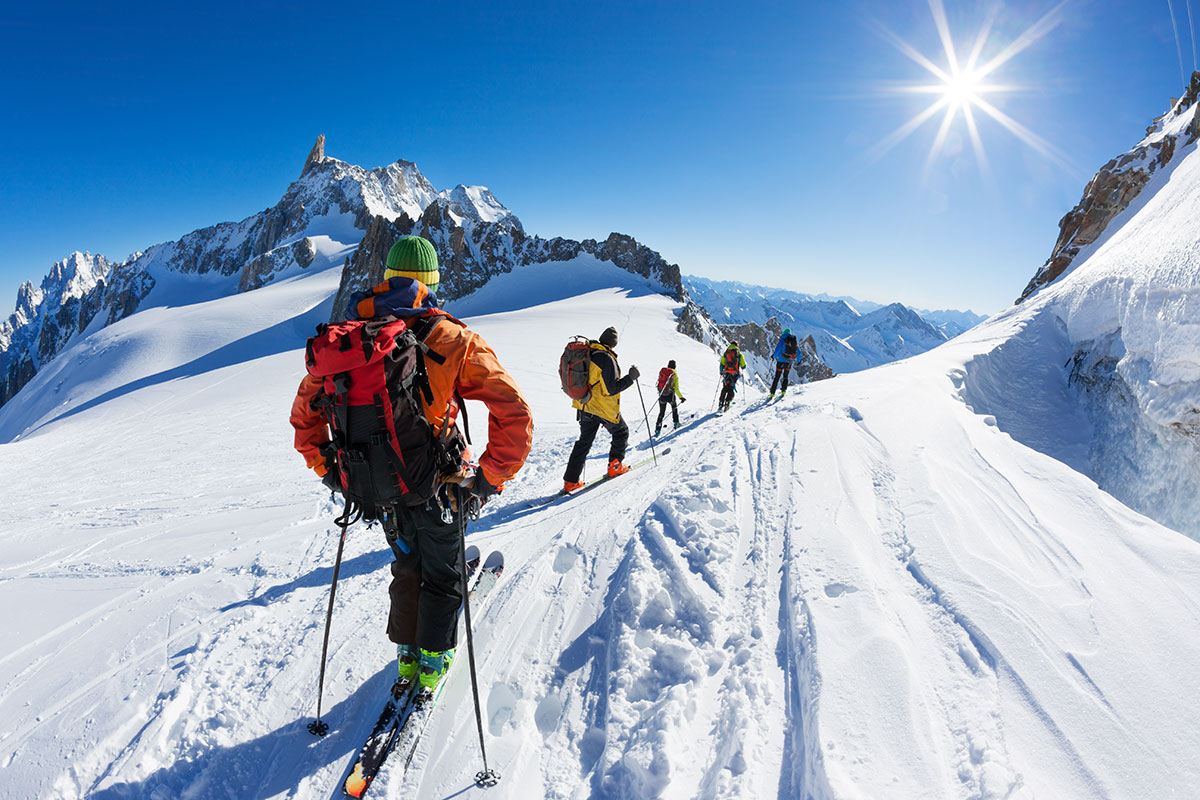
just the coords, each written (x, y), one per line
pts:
(315, 156)
(469, 257)
(809, 366)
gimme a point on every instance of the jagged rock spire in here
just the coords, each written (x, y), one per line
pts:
(315, 156)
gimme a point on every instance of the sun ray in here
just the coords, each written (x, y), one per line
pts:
(939, 141)
(1049, 21)
(984, 32)
(912, 53)
(943, 28)
(976, 141)
(1027, 136)
(882, 147)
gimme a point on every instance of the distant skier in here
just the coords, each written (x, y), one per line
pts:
(786, 352)
(668, 391)
(602, 408)
(406, 441)
(732, 364)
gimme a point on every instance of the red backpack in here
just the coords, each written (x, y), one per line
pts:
(731, 361)
(664, 377)
(574, 369)
(373, 381)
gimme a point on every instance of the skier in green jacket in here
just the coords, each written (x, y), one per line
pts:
(668, 390)
(732, 364)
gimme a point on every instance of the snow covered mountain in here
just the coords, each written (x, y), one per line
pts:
(915, 581)
(320, 221)
(847, 339)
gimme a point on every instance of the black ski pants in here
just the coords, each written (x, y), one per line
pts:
(426, 587)
(728, 387)
(589, 425)
(663, 400)
(782, 369)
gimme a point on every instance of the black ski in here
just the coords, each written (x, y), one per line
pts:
(383, 736)
(414, 703)
(425, 700)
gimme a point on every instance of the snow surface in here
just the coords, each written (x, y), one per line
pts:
(867, 590)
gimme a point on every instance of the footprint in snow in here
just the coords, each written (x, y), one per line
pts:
(838, 589)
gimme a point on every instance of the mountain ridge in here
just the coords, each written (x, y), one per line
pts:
(322, 219)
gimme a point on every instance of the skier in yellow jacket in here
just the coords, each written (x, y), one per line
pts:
(602, 409)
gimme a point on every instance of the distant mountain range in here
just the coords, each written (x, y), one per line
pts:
(849, 334)
(337, 212)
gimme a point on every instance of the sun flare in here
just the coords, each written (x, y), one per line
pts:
(962, 86)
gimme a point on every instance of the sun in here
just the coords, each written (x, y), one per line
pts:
(963, 86)
(962, 89)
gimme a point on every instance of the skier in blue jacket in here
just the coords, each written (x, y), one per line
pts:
(786, 352)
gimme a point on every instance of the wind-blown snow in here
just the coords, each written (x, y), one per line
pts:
(1127, 316)
(866, 590)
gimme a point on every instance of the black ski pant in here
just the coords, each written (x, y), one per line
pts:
(728, 387)
(426, 587)
(784, 369)
(662, 409)
(589, 424)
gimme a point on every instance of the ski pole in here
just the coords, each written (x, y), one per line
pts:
(349, 515)
(715, 395)
(488, 777)
(646, 414)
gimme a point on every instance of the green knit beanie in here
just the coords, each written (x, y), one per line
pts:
(413, 257)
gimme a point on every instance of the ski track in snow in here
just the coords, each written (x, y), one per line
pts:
(807, 599)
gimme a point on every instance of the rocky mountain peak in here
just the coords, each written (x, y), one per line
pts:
(1111, 191)
(315, 156)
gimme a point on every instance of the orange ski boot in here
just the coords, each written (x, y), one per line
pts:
(616, 468)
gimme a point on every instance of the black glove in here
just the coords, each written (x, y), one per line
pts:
(477, 485)
(332, 479)
(634, 373)
(682, 400)
(474, 491)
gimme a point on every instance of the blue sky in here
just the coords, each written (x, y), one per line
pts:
(732, 138)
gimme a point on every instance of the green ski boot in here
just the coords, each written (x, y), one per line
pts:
(408, 658)
(433, 667)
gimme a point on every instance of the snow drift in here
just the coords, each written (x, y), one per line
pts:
(1121, 334)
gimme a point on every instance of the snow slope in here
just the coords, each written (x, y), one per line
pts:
(868, 590)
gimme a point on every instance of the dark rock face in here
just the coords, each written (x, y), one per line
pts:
(315, 156)
(1113, 188)
(809, 366)
(469, 257)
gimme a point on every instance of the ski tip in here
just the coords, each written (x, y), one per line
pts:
(356, 783)
(472, 552)
(495, 561)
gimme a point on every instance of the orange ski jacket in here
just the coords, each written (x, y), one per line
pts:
(472, 369)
